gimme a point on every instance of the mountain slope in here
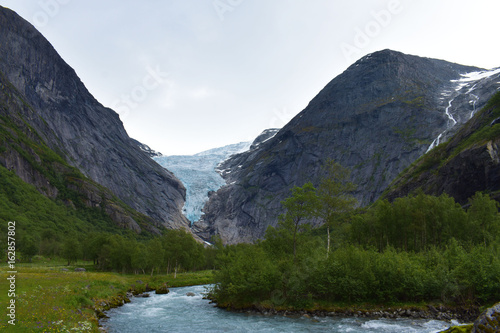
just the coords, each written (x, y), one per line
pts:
(376, 118)
(467, 163)
(87, 135)
(61, 198)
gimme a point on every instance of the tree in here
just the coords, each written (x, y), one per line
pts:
(30, 248)
(139, 258)
(93, 245)
(334, 196)
(182, 250)
(154, 254)
(484, 219)
(301, 206)
(71, 249)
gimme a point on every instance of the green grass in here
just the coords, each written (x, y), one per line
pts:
(49, 299)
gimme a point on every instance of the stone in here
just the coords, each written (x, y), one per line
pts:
(459, 329)
(80, 269)
(190, 294)
(162, 290)
(488, 321)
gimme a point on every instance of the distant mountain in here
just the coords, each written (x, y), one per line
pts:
(376, 118)
(199, 175)
(58, 112)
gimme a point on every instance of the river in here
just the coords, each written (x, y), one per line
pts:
(177, 312)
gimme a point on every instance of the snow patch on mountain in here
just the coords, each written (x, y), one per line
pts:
(463, 88)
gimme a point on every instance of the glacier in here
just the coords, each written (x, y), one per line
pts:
(199, 174)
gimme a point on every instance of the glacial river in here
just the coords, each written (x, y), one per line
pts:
(177, 312)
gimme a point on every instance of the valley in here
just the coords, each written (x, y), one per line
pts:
(383, 191)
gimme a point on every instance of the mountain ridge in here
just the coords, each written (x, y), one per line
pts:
(376, 118)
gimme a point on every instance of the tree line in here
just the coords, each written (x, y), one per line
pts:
(174, 251)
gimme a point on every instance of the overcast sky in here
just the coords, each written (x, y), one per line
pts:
(189, 75)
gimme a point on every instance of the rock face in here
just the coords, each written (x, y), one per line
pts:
(468, 163)
(145, 148)
(89, 136)
(23, 151)
(376, 118)
(488, 321)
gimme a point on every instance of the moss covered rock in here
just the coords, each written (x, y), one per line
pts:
(162, 290)
(488, 321)
(459, 329)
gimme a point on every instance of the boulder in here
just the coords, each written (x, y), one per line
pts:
(488, 321)
(190, 294)
(79, 269)
(162, 290)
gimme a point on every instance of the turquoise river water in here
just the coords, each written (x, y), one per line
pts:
(177, 312)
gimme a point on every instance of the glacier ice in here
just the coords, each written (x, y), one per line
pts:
(199, 175)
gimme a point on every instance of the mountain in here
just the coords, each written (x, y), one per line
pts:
(41, 191)
(467, 163)
(60, 113)
(376, 118)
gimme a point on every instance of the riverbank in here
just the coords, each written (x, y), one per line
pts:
(53, 297)
(428, 311)
(441, 313)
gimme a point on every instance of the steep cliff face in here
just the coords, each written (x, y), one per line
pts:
(72, 123)
(467, 163)
(376, 118)
(24, 152)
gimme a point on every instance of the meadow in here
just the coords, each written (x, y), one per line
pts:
(51, 297)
